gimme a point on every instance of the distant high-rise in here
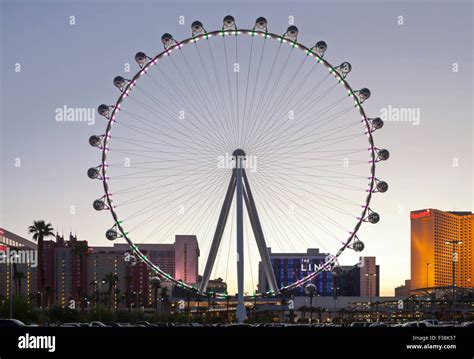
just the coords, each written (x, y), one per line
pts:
(433, 233)
(369, 277)
(186, 249)
(403, 290)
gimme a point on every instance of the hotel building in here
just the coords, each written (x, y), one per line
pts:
(361, 279)
(22, 279)
(75, 271)
(438, 238)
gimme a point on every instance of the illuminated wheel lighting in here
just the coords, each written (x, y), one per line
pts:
(223, 132)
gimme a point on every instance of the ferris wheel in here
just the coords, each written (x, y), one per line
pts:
(241, 137)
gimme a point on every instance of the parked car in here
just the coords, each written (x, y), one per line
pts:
(273, 325)
(144, 324)
(379, 324)
(11, 323)
(111, 324)
(467, 325)
(97, 325)
(417, 324)
(302, 325)
(163, 324)
(125, 325)
(433, 322)
(360, 324)
(70, 325)
(446, 324)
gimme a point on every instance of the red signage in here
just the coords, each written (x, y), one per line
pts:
(422, 214)
(3, 248)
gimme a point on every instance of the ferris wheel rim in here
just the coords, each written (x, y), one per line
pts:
(207, 35)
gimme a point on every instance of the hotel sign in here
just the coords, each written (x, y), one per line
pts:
(422, 214)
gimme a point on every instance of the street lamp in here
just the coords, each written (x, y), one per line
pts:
(454, 259)
(41, 301)
(370, 290)
(11, 289)
(310, 289)
(11, 283)
(427, 270)
(335, 289)
(100, 295)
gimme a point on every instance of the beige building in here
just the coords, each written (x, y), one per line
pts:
(368, 277)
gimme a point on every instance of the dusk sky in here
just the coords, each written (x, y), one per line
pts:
(413, 55)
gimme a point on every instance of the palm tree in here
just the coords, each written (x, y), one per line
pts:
(164, 296)
(111, 279)
(302, 310)
(17, 277)
(40, 230)
(156, 284)
(128, 283)
(82, 250)
(15, 270)
(48, 291)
